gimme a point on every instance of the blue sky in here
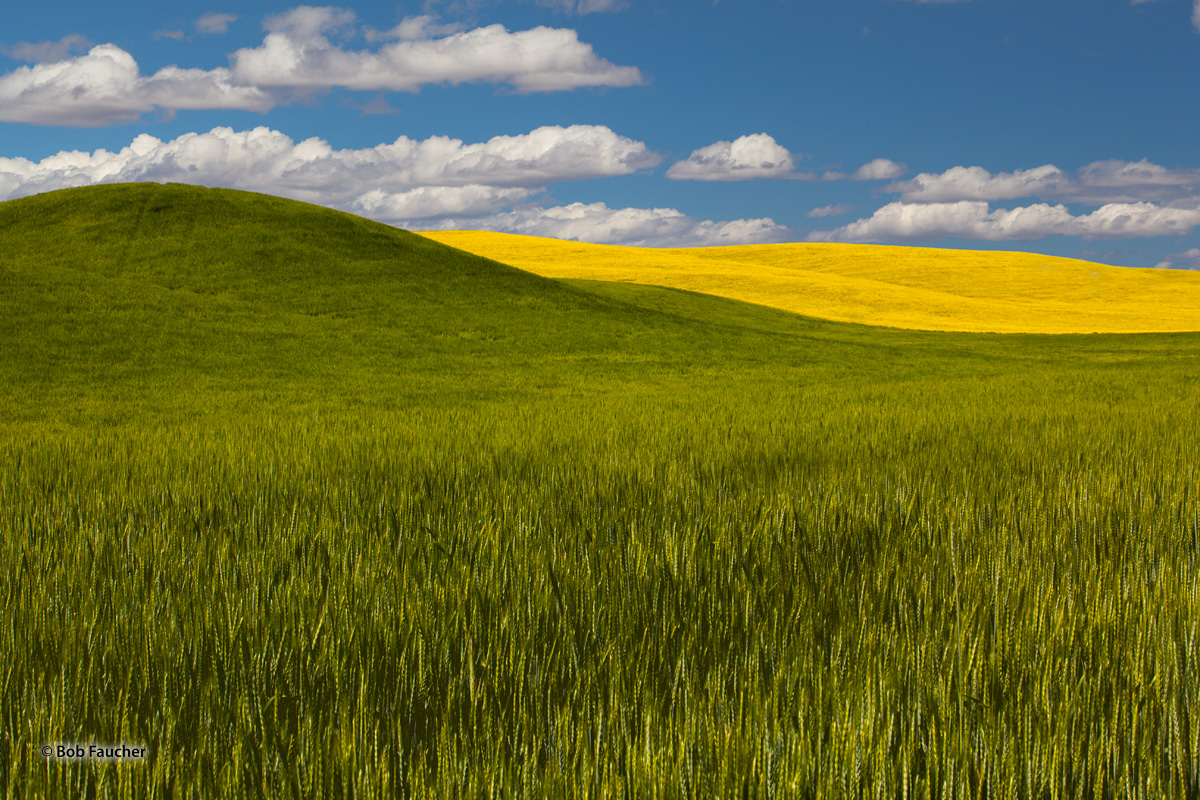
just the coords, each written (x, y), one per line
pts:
(1059, 126)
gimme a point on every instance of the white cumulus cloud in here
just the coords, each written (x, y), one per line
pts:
(881, 169)
(754, 156)
(297, 54)
(760, 156)
(104, 86)
(407, 179)
(969, 219)
(435, 183)
(641, 227)
(431, 202)
(976, 183)
(1099, 182)
(1112, 181)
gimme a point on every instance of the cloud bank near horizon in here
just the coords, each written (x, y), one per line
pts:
(971, 219)
(1095, 183)
(1132, 199)
(435, 183)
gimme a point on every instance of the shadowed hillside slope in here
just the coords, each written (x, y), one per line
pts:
(144, 296)
(120, 301)
(918, 288)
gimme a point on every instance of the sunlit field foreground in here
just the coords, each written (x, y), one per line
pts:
(312, 507)
(918, 288)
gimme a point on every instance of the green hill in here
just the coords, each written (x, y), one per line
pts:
(143, 298)
(111, 292)
(146, 296)
(125, 300)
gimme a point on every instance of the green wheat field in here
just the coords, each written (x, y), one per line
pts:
(314, 507)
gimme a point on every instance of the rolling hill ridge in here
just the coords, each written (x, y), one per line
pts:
(148, 296)
(130, 300)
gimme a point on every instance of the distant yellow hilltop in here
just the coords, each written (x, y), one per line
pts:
(919, 288)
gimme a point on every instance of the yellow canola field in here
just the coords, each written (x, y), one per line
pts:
(919, 288)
